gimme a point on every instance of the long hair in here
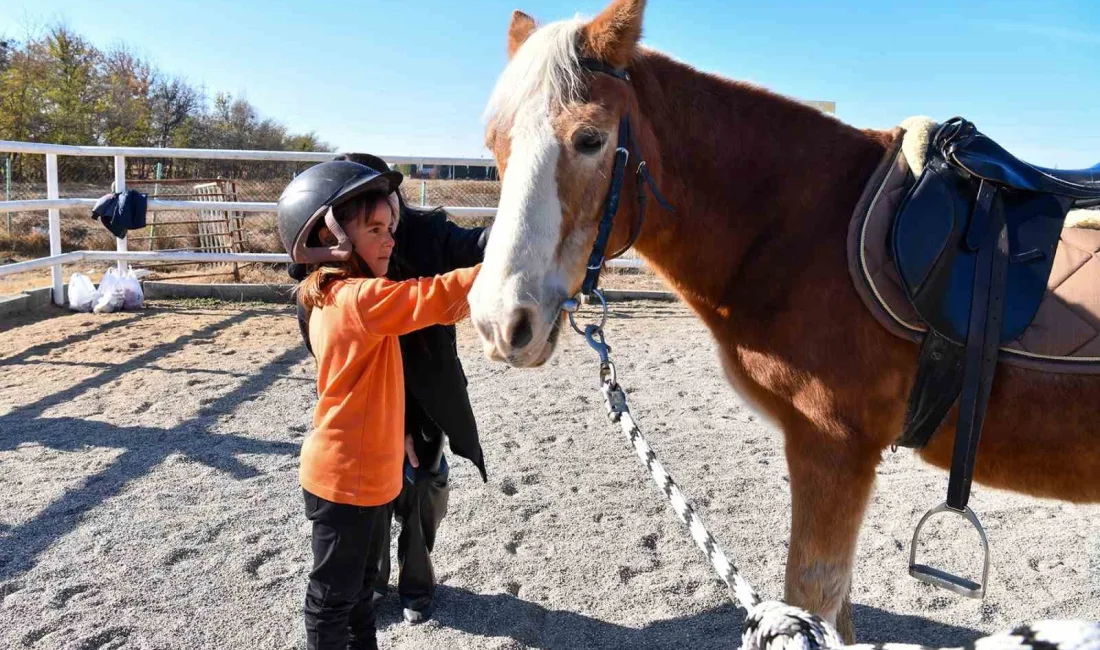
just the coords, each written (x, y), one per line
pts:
(313, 290)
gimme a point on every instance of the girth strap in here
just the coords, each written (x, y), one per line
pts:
(935, 389)
(983, 337)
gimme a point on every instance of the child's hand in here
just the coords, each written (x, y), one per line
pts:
(410, 451)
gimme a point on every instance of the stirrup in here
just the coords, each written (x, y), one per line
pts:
(940, 578)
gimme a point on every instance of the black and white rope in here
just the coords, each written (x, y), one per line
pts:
(742, 591)
(1039, 635)
(774, 625)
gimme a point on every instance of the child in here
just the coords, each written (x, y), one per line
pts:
(437, 403)
(341, 217)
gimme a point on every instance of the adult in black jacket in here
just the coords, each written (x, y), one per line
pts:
(436, 401)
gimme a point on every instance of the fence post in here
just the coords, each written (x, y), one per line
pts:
(55, 228)
(7, 187)
(120, 187)
(153, 215)
(423, 193)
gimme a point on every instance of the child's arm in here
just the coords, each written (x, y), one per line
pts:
(394, 308)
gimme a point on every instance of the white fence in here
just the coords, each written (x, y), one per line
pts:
(53, 204)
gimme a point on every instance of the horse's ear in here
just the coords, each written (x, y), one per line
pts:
(521, 28)
(612, 36)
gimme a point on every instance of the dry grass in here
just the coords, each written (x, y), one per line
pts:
(452, 193)
(29, 233)
(28, 237)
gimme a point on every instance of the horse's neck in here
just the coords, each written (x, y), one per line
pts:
(740, 166)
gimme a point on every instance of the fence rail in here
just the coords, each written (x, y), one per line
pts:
(53, 204)
(9, 146)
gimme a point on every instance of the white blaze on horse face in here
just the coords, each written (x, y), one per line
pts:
(515, 301)
(520, 278)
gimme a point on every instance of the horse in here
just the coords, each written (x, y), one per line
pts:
(762, 188)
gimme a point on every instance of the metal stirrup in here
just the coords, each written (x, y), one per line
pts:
(940, 578)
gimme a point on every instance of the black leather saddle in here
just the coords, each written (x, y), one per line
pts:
(973, 243)
(984, 158)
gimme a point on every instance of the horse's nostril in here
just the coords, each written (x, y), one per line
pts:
(521, 331)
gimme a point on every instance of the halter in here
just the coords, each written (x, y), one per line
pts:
(611, 204)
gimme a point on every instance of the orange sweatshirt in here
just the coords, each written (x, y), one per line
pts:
(355, 452)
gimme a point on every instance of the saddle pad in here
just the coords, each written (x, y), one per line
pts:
(1065, 334)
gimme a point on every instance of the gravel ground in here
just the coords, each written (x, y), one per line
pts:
(149, 499)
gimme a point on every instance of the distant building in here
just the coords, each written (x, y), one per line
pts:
(453, 172)
(824, 107)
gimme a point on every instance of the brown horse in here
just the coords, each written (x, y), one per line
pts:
(763, 189)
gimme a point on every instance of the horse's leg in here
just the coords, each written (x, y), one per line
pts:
(844, 624)
(831, 482)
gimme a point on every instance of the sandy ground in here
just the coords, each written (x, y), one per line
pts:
(149, 499)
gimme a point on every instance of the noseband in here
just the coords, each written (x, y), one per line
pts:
(611, 204)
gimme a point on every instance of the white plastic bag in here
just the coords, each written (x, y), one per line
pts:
(110, 300)
(82, 293)
(133, 296)
(112, 293)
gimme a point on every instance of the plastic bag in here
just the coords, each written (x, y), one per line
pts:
(111, 300)
(82, 293)
(112, 293)
(109, 280)
(134, 297)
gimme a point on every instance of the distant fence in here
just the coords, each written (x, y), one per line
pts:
(206, 224)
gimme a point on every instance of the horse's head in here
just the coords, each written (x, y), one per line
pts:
(553, 124)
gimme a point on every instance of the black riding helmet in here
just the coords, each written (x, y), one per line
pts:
(309, 199)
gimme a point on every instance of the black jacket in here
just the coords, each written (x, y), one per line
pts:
(121, 211)
(428, 244)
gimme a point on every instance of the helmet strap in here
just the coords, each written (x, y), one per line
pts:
(344, 247)
(336, 230)
(395, 209)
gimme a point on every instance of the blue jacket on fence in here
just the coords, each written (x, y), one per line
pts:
(121, 212)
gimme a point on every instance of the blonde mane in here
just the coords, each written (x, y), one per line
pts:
(545, 68)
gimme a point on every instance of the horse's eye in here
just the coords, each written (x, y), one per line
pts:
(588, 141)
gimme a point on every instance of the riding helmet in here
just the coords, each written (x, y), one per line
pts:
(309, 199)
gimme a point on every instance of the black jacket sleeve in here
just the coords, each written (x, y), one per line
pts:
(463, 247)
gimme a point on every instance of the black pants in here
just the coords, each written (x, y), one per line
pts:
(348, 545)
(420, 509)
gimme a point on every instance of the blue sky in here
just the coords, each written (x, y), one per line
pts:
(411, 78)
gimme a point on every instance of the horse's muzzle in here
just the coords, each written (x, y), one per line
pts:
(523, 336)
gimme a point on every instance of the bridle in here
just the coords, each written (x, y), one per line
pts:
(611, 204)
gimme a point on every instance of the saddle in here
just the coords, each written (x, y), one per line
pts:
(973, 243)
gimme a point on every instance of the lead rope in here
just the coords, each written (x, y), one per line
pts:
(775, 625)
